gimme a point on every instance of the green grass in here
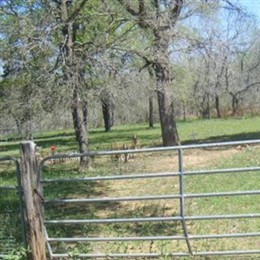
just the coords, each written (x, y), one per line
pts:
(10, 221)
(197, 131)
(193, 131)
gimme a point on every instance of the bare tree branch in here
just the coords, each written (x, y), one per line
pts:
(128, 8)
(176, 8)
(77, 10)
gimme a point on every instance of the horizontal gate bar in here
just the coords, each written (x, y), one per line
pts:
(104, 256)
(220, 194)
(217, 171)
(152, 175)
(244, 252)
(114, 239)
(234, 252)
(234, 235)
(219, 217)
(8, 187)
(154, 219)
(161, 197)
(150, 238)
(115, 177)
(104, 221)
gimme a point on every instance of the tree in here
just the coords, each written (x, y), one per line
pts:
(73, 58)
(164, 25)
(158, 18)
(25, 58)
(241, 72)
(243, 81)
(43, 53)
(224, 35)
(107, 109)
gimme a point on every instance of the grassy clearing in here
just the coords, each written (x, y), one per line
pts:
(190, 132)
(194, 131)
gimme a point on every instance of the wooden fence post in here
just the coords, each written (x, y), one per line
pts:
(33, 201)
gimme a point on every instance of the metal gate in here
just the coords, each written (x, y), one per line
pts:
(84, 219)
(12, 226)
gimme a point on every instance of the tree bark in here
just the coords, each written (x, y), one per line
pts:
(168, 125)
(85, 113)
(80, 130)
(208, 106)
(72, 76)
(235, 104)
(33, 201)
(150, 112)
(184, 111)
(108, 113)
(169, 131)
(217, 103)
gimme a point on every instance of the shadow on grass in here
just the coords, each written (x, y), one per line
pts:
(225, 138)
(157, 228)
(10, 220)
(100, 140)
(76, 210)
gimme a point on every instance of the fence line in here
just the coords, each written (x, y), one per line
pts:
(182, 196)
(29, 191)
(12, 228)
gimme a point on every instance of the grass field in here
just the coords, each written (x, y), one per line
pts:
(193, 131)
(190, 132)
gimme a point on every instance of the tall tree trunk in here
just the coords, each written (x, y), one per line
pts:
(235, 104)
(108, 107)
(150, 112)
(72, 76)
(164, 91)
(85, 113)
(168, 125)
(217, 103)
(161, 25)
(166, 111)
(108, 113)
(28, 129)
(28, 124)
(19, 127)
(208, 106)
(184, 110)
(79, 127)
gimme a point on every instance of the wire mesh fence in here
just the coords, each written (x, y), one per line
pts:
(8, 220)
(12, 235)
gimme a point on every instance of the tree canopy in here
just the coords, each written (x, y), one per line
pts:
(105, 61)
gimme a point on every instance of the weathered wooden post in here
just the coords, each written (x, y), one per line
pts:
(33, 201)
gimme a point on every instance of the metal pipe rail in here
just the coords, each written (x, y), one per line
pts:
(152, 238)
(152, 175)
(181, 196)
